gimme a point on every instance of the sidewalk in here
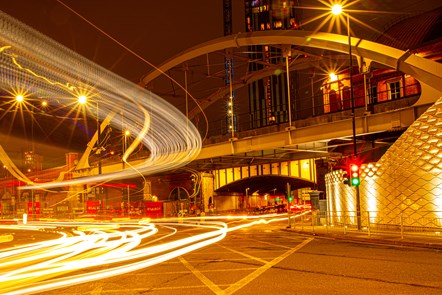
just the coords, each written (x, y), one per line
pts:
(420, 240)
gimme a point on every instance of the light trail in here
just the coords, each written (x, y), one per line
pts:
(121, 247)
(44, 68)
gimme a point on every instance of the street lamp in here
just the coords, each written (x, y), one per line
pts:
(337, 10)
(20, 100)
(82, 99)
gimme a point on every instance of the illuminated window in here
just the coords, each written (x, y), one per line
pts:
(394, 89)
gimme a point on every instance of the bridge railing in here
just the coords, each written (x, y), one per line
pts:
(305, 110)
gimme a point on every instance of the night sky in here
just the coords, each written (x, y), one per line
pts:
(158, 30)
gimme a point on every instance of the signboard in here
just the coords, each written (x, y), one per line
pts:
(92, 206)
(36, 209)
(154, 209)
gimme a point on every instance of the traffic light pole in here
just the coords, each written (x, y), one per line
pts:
(358, 202)
(358, 208)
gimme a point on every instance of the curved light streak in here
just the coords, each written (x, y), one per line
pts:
(45, 68)
(123, 248)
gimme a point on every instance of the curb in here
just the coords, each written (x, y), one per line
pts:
(371, 240)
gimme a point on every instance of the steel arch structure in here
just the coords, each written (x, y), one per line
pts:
(428, 72)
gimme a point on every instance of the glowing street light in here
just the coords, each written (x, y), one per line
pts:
(82, 99)
(336, 9)
(333, 77)
(19, 98)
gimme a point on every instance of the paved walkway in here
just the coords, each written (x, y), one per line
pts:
(421, 240)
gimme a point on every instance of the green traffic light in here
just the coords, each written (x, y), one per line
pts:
(355, 181)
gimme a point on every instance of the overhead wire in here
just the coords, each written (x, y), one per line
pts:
(139, 57)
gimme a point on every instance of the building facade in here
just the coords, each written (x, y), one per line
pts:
(268, 98)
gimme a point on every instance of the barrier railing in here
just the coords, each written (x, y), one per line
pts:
(425, 223)
(279, 114)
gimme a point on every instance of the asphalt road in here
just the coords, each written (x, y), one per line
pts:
(266, 259)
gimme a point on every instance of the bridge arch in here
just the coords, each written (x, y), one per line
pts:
(178, 194)
(427, 72)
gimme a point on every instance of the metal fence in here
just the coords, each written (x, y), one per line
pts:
(429, 223)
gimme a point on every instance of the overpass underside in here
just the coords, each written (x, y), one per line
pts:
(324, 136)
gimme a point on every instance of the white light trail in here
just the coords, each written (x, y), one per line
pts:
(122, 248)
(33, 62)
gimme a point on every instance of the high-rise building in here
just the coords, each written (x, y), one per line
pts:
(268, 98)
(229, 73)
(32, 161)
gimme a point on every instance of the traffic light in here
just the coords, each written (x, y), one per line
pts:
(354, 174)
(289, 193)
(345, 179)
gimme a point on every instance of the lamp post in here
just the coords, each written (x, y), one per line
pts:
(82, 99)
(20, 101)
(337, 10)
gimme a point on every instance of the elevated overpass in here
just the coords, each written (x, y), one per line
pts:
(313, 138)
(282, 142)
(310, 139)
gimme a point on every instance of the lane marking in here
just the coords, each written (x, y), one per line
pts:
(211, 285)
(150, 274)
(147, 290)
(244, 254)
(271, 244)
(247, 279)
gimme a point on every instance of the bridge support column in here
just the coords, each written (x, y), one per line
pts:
(207, 191)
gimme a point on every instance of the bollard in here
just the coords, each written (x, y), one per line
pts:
(25, 218)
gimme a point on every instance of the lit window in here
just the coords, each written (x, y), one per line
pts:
(395, 89)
